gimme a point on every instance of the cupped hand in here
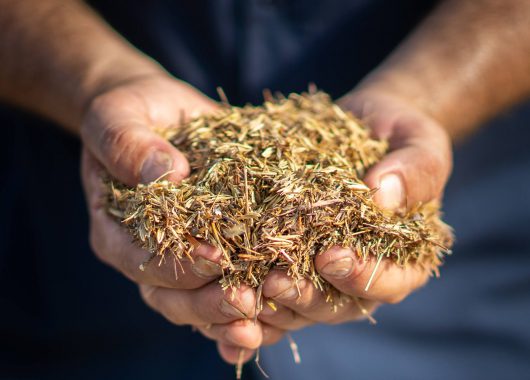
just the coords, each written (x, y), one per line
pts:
(118, 133)
(415, 170)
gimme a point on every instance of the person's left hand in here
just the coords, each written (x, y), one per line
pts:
(415, 170)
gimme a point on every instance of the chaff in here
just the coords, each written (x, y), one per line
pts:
(273, 186)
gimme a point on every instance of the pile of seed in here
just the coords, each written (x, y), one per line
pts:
(273, 186)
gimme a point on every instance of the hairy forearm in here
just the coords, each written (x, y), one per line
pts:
(468, 61)
(55, 55)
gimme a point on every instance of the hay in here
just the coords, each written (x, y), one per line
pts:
(273, 186)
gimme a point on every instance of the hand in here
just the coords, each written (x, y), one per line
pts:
(415, 170)
(118, 135)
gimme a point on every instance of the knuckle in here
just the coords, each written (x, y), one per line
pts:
(124, 148)
(117, 141)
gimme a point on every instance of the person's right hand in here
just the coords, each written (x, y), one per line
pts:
(117, 133)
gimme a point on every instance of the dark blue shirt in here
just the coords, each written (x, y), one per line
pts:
(64, 315)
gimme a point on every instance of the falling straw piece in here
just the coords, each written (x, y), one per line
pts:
(294, 349)
(373, 273)
(239, 365)
(365, 312)
(222, 96)
(256, 360)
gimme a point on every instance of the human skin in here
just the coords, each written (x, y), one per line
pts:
(456, 70)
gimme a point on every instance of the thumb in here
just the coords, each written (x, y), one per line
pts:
(417, 166)
(130, 150)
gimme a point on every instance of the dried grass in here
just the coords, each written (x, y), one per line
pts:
(273, 186)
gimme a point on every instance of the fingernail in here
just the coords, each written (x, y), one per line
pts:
(230, 310)
(155, 165)
(205, 268)
(391, 194)
(339, 268)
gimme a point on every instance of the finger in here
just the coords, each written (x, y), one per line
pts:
(417, 167)
(388, 282)
(243, 333)
(305, 299)
(233, 354)
(419, 159)
(126, 145)
(282, 317)
(203, 306)
(271, 334)
(114, 246)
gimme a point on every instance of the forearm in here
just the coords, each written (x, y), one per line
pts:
(469, 60)
(55, 55)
